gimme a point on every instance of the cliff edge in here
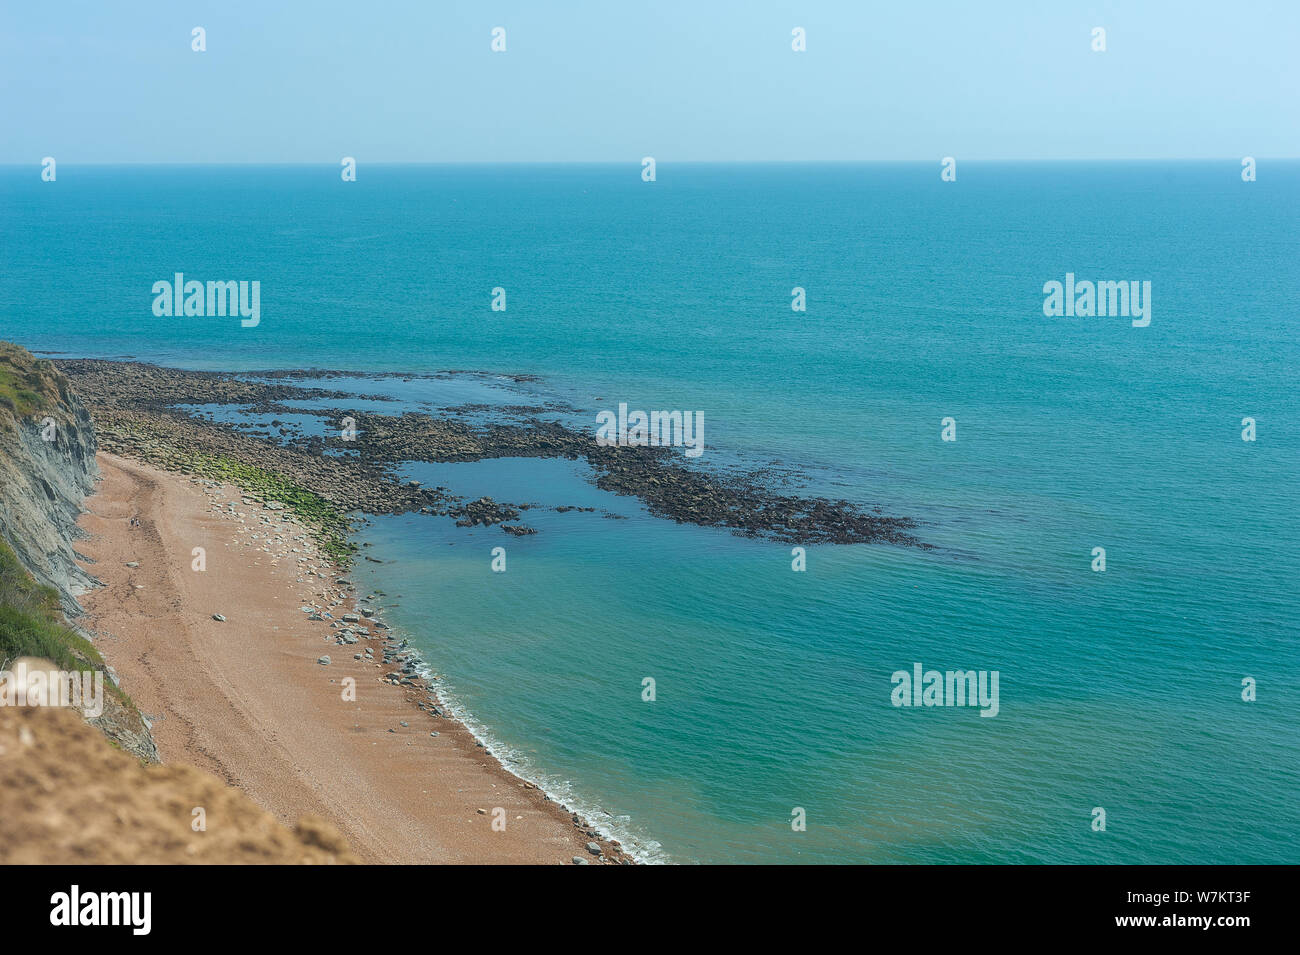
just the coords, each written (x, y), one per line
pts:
(67, 797)
(47, 467)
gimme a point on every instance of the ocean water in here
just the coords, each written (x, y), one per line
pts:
(1120, 690)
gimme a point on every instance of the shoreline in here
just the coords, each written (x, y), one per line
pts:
(247, 699)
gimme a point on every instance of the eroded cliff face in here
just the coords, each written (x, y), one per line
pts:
(47, 467)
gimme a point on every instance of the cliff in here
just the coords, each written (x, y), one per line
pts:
(47, 467)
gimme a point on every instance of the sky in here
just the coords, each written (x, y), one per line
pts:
(91, 81)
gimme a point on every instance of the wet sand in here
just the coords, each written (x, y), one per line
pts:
(246, 699)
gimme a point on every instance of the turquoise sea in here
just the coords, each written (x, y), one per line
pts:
(1120, 690)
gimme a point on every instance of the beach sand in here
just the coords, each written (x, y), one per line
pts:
(246, 699)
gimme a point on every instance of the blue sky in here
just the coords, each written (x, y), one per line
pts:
(416, 81)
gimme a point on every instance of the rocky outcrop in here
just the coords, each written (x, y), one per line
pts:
(137, 409)
(47, 467)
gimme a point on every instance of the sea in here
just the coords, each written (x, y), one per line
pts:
(713, 698)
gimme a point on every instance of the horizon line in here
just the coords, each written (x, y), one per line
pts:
(637, 161)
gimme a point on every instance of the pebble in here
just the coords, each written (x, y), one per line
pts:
(323, 661)
(217, 617)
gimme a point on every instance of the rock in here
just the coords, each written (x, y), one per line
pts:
(134, 563)
(593, 848)
(218, 618)
(579, 860)
(323, 661)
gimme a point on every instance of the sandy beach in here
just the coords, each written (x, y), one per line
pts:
(248, 700)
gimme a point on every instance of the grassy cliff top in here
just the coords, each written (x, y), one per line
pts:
(27, 384)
